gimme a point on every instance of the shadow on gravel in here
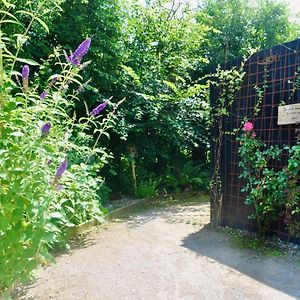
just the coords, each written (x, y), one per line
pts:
(173, 215)
(81, 241)
(278, 273)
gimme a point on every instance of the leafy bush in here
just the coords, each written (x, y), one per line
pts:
(167, 112)
(40, 137)
(78, 201)
(189, 176)
(269, 190)
(147, 189)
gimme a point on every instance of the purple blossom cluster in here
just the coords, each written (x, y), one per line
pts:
(76, 57)
(96, 111)
(25, 76)
(61, 169)
(25, 72)
(45, 129)
(43, 95)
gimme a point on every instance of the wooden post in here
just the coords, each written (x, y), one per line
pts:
(132, 152)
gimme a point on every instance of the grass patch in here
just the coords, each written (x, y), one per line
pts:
(266, 247)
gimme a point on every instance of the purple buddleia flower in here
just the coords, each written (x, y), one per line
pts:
(25, 76)
(45, 129)
(76, 57)
(83, 48)
(43, 95)
(25, 72)
(53, 81)
(96, 111)
(60, 187)
(61, 169)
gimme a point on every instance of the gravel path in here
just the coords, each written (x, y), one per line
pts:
(165, 253)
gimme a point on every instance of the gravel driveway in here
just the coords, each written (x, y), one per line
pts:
(164, 253)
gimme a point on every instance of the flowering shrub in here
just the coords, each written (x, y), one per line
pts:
(77, 200)
(265, 185)
(49, 163)
(269, 190)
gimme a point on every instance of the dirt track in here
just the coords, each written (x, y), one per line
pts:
(164, 253)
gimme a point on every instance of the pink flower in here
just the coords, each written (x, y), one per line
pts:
(248, 126)
(253, 135)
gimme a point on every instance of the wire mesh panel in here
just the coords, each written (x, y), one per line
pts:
(274, 72)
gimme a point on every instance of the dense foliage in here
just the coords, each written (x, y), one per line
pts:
(157, 56)
(101, 20)
(162, 54)
(242, 25)
(49, 162)
(165, 115)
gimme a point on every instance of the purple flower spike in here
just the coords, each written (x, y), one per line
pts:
(25, 76)
(25, 72)
(61, 169)
(45, 129)
(43, 95)
(76, 57)
(96, 111)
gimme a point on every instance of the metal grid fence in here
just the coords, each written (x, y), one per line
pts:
(278, 67)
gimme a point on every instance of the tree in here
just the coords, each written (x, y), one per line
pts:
(101, 20)
(69, 22)
(243, 25)
(35, 46)
(164, 117)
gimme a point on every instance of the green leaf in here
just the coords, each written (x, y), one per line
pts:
(17, 133)
(132, 74)
(28, 61)
(16, 73)
(25, 12)
(46, 258)
(57, 215)
(10, 21)
(8, 13)
(171, 85)
(43, 24)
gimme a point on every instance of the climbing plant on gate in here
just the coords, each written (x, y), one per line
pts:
(227, 84)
